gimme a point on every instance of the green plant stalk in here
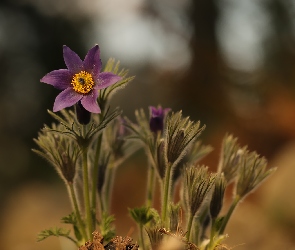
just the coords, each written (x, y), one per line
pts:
(189, 226)
(151, 175)
(95, 179)
(101, 204)
(77, 211)
(151, 185)
(212, 234)
(165, 193)
(229, 213)
(109, 187)
(86, 194)
(197, 232)
(141, 236)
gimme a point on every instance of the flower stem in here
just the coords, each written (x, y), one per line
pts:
(197, 232)
(95, 176)
(151, 185)
(229, 213)
(86, 193)
(165, 199)
(77, 212)
(101, 203)
(211, 244)
(189, 226)
(109, 186)
(141, 236)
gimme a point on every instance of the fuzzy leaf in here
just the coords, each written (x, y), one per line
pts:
(58, 232)
(106, 228)
(114, 67)
(71, 219)
(141, 215)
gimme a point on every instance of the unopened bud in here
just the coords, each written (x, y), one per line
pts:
(67, 167)
(157, 117)
(217, 195)
(175, 148)
(161, 163)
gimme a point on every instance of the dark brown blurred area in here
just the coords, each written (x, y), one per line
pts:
(229, 64)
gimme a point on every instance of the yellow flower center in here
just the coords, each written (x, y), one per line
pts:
(82, 82)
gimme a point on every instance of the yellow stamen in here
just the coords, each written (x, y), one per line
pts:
(82, 82)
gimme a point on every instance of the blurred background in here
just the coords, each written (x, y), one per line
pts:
(228, 63)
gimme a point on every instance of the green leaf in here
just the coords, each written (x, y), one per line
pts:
(114, 67)
(141, 215)
(72, 219)
(69, 219)
(58, 232)
(106, 227)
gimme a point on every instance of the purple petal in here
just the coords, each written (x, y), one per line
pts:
(92, 62)
(166, 111)
(106, 79)
(89, 102)
(72, 60)
(60, 79)
(65, 99)
(154, 111)
(158, 112)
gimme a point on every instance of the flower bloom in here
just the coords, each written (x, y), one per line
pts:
(157, 118)
(81, 81)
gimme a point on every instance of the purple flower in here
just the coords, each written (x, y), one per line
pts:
(157, 118)
(81, 81)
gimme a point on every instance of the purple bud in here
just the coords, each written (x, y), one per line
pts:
(157, 116)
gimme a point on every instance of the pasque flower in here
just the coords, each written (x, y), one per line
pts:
(81, 81)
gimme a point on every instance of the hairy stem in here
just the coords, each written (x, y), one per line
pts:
(166, 192)
(151, 185)
(86, 194)
(189, 226)
(141, 236)
(109, 187)
(77, 211)
(229, 213)
(95, 177)
(211, 244)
